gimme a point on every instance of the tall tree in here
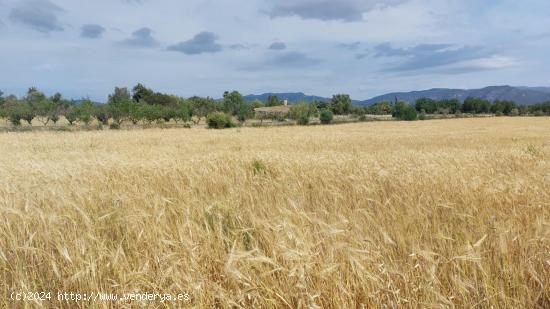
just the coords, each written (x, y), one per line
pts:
(119, 104)
(232, 102)
(273, 100)
(302, 112)
(140, 92)
(56, 107)
(57, 97)
(182, 112)
(201, 107)
(135, 111)
(101, 113)
(85, 111)
(428, 105)
(45, 109)
(340, 104)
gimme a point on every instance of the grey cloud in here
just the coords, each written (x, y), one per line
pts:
(361, 56)
(350, 46)
(141, 38)
(437, 57)
(277, 46)
(288, 60)
(40, 15)
(344, 10)
(92, 31)
(239, 47)
(293, 59)
(204, 42)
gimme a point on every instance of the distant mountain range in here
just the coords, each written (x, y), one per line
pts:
(520, 95)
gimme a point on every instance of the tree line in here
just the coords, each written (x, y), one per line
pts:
(142, 105)
(470, 105)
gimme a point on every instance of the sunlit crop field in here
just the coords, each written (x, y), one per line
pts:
(443, 213)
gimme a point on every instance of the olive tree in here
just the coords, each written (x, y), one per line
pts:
(101, 113)
(119, 104)
(302, 112)
(340, 104)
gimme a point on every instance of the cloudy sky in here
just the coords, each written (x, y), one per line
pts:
(361, 47)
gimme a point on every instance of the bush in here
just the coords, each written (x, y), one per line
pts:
(303, 120)
(409, 114)
(326, 117)
(302, 111)
(403, 111)
(114, 126)
(72, 114)
(219, 120)
(259, 167)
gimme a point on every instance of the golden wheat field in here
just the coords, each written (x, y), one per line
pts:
(433, 214)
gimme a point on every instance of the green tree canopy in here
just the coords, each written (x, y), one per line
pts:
(85, 109)
(426, 104)
(404, 111)
(232, 102)
(119, 104)
(380, 108)
(101, 113)
(140, 92)
(273, 100)
(302, 112)
(201, 107)
(341, 104)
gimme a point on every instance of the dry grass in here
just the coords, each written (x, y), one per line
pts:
(444, 213)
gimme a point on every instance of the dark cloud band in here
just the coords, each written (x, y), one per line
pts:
(92, 31)
(40, 15)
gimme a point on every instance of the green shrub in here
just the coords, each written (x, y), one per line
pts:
(326, 117)
(259, 167)
(114, 126)
(409, 114)
(303, 120)
(20, 112)
(302, 111)
(403, 111)
(219, 120)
